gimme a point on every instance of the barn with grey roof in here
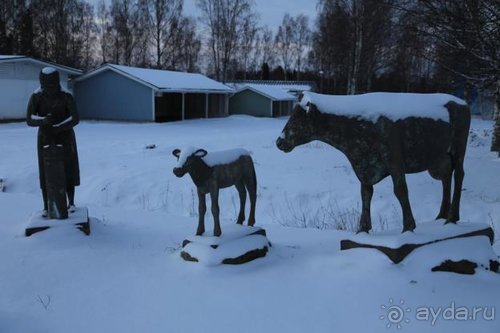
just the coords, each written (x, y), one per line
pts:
(116, 92)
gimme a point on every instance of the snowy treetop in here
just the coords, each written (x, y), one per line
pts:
(213, 158)
(394, 106)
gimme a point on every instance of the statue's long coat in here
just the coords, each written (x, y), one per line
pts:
(63, 110)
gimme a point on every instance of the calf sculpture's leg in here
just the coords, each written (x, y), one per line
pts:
(202, 209)
(365, 223)
(401, 192)
(243, 197)
(214, 196)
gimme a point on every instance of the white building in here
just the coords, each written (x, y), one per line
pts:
(19, 78)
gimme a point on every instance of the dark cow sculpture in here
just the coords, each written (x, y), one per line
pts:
(215, 171)
(388, 147)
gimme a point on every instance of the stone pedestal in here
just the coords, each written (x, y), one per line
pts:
(237, 245)
(450, 242)
(78, 219)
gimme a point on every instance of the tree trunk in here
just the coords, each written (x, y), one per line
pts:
(495, 144)
(358, 12)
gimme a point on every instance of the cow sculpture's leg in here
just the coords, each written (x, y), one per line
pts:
(454, 213)
(214, 196)
(445, 202)
(401, 192)
(243, 197)
(365, 223)
(443, 172)
(251, 185)
(202, 209)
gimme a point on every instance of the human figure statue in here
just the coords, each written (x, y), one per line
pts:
(54, 112)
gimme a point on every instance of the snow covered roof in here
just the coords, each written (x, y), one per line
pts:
(163, 80)
(274, 93)
(18, 58)
(288, 86)
(394, 106)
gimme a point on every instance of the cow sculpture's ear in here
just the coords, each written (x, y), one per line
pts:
(176, 152)
(200, 153)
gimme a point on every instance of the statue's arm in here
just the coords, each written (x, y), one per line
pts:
(32, 117)
(73, 118)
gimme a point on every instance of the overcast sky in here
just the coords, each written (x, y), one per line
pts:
(271, 11)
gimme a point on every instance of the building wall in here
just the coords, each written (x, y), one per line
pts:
(251, 103)
(18, 80)
(111, 96)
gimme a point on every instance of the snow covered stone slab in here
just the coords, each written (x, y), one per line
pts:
(237, 245)
(397, 246)
(78, 219)
(459, 255)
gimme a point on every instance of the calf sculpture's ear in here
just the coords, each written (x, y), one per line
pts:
(176, 152)
(200, 153)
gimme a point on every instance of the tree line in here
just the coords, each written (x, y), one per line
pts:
(352, 46)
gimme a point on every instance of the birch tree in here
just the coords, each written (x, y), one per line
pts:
(223, 21)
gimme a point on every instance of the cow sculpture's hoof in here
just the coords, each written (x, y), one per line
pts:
(237, 245)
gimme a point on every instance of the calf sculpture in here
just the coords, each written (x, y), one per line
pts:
(387, 143)
(215, 171)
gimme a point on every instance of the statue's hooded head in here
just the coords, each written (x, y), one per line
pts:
(49, 80)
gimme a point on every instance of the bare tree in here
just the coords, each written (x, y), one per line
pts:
(467, 36)
(302, 41)
(223, 20)
(126, 31)
(247, 44)
(285, 42)
(163, 18)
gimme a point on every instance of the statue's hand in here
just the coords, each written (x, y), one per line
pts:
(48, 120)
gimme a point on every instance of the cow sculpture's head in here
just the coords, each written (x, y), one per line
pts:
(188, 160)
(299, 129)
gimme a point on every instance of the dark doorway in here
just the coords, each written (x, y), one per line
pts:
(194, 106)
(168, 107)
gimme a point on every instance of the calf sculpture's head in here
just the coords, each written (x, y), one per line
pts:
(189, 160)
(299, 129)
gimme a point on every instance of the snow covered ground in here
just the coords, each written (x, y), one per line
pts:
(128, 276)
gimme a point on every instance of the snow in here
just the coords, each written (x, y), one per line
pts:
(234, 242)
(79, 216)
(165, 80)
(273, 92)
(213, 158)
(67, 120)
(476, 249)
(127, 276)
(48, 70)
(224, 156)
(289, 87)
(36, 117)
(426, 232)
(7, 57)
(372, 106)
